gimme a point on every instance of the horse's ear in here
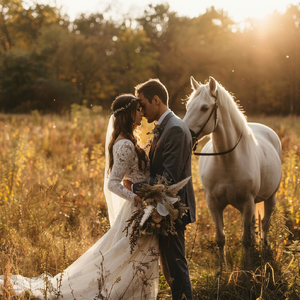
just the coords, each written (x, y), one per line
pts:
(195, 85)
(212, 84)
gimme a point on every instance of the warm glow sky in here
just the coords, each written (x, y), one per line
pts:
(238, 10)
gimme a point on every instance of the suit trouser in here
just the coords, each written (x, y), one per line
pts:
(174, 265)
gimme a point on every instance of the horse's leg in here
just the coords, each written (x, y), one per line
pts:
(249, 223)
(269, 208)
(248, 214)
(217, 217)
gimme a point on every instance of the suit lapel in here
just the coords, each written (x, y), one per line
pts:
(155, 140)
(166, 119)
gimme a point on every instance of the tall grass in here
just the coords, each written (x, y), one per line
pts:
(51, 176)
(52, 208)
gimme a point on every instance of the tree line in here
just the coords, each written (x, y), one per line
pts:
(48, 62)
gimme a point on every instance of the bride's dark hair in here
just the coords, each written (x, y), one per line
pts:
(124, 108)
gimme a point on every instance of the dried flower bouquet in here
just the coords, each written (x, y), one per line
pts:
(159, 211)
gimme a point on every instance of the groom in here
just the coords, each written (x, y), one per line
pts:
(170, 153)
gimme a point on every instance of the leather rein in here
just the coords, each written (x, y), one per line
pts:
(195, 136)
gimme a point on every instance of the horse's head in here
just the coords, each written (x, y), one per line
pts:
(201, 114)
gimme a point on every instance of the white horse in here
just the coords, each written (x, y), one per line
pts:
(246, 166)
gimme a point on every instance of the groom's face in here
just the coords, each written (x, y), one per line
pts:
(150, 110)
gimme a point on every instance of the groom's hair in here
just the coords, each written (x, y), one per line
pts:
(151, 88)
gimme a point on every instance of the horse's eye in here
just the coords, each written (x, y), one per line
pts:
(204, 108)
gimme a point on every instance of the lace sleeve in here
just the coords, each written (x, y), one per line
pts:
(124, 156)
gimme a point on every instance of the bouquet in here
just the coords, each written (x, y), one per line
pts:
(159, 211)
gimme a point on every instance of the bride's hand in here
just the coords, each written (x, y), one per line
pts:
(137, 200)
(127, 184)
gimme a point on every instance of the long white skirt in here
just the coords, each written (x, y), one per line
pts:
(106, 271)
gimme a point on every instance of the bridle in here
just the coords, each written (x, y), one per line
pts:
(196, 135)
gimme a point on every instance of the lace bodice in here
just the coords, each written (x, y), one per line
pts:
(125, 167)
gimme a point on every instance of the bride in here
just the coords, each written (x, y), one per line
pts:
(109, 270)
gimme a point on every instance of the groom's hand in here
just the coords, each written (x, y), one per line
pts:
(127, 184)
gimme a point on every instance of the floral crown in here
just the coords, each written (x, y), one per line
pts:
(126, 106)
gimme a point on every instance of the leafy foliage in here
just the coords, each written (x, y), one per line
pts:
(95, 58)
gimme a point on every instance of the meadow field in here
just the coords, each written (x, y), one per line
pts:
(52, 208)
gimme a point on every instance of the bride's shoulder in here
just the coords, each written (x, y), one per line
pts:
(123, 150)
(123, 144)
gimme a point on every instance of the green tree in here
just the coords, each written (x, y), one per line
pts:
(133, 58)
(20, 27)
(188, 47)
(286, 38)
(267, 64)
(105, 59)
(8, 10)
(27, 83)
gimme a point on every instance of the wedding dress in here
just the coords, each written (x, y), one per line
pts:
(108, 270)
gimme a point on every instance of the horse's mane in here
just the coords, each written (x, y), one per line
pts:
(228, 100)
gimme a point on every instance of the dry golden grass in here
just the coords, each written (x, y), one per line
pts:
(53, 208)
